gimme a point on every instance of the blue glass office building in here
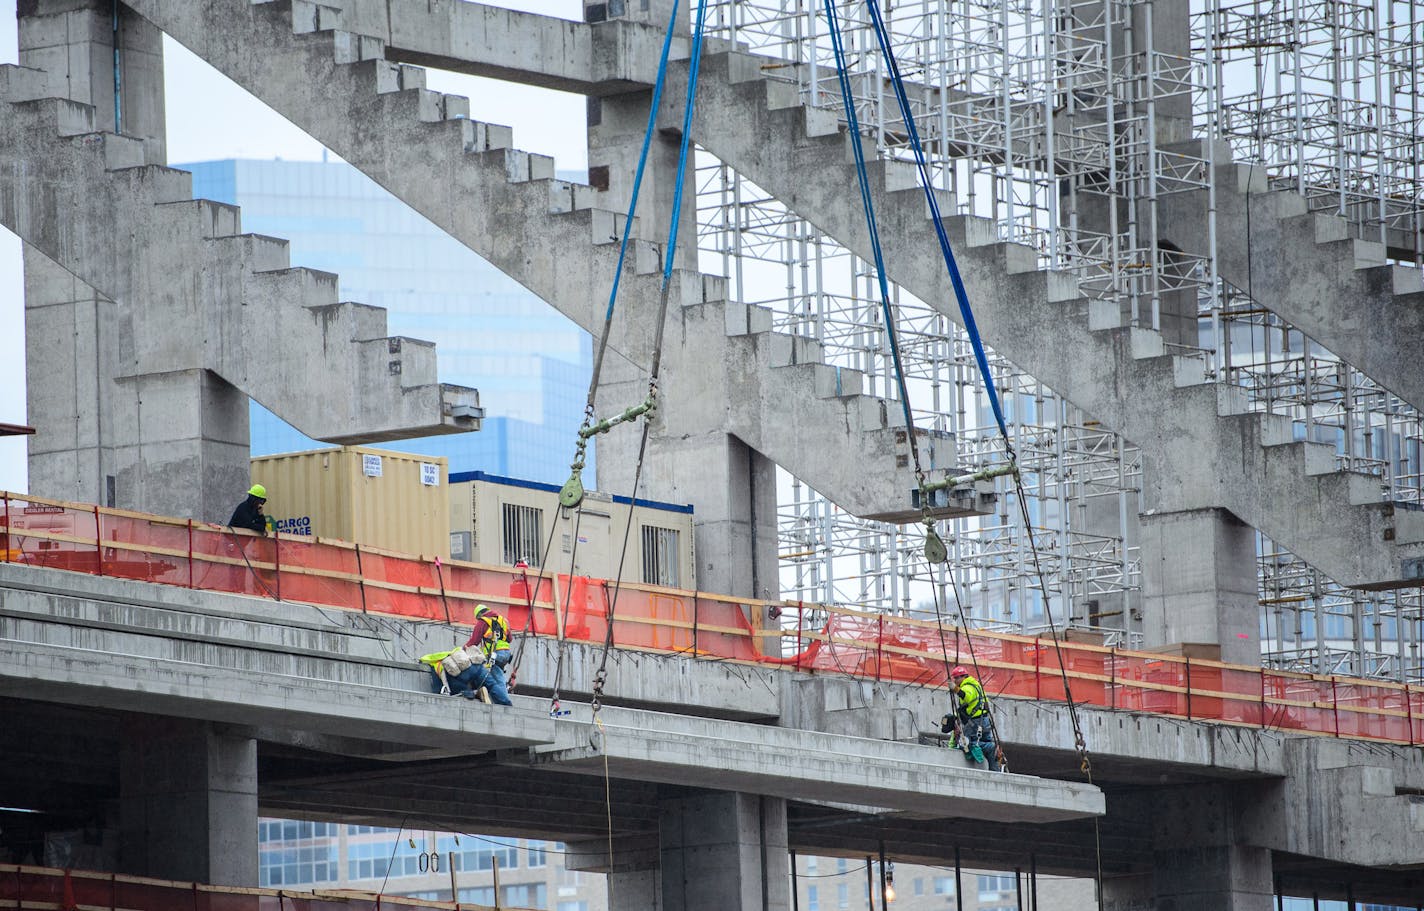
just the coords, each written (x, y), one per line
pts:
(530, 363)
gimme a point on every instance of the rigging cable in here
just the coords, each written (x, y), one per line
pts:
(571, 495)
(600, 676)
(971, 328)
(867, 203)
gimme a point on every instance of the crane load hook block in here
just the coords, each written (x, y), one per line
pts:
(935, 551)
(571, 494)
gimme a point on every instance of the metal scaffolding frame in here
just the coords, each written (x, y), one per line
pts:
(1045, 116)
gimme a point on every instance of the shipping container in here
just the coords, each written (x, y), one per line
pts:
(497, 521)
(373, 497)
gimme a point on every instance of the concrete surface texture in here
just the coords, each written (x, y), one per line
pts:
(181, 317)
(1194, 433)
(175, 310)
(330, 714)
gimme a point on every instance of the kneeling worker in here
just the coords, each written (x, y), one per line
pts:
(490, 638)
(971, 724)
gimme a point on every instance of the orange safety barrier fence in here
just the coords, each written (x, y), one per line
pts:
(29, 888)
(816, 639)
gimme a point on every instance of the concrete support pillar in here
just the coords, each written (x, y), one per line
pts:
(79, 414)
(188, 802)
(724, 852)
(173, 443)
(101, 53)
(1199, 582)
(616, 127)
(1201, 858)
(734, 489)
(732, 486)
(639, 890)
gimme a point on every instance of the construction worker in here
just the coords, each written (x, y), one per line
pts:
(970, 724)
(455, 673)
(248, 513)
(490, 637)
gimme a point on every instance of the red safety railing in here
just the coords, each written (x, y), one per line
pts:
(816, 639)
(48, 889)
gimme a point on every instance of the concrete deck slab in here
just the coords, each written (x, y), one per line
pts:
(804, 765)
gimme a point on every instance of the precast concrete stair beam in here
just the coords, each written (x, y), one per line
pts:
(201, 295)
(556, 238)
(1336, 290)
(1202, 452)
(1307, 268)
(802, 765)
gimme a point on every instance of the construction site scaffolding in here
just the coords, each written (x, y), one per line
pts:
(1034, 114)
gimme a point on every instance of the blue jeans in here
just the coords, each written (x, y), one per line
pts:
(497, 680)
(467, 681)
(978, 732)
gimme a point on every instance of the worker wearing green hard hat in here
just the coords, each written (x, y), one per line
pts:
(248, 513)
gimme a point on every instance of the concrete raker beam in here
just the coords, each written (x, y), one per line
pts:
(803, 765)
(81, 676)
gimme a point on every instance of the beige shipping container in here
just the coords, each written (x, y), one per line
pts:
(496, 521)
(373, 497)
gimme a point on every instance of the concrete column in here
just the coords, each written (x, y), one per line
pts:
(733, 489)
(188, 802)
(1199, 582)
(731, 486)
(71, 342)
(639, 890)
(103, 54)
(1200, 856)
(724, 852)
(616, 127)
(173, 443)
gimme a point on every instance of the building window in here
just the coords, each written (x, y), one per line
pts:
(944, 885)
(521, 533)
(813, 901)
(297, 866)
(842, 896)
(538, 853)
(484, 855)
(524, 895)
(660, 556)
(573, 906)
(991, 888)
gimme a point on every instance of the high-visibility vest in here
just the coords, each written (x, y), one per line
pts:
(971, 699)
(433, 659)
(453, 662)
(496, 636)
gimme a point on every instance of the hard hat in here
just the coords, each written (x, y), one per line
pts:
(258, 491)
(481, 610)
(959, 671)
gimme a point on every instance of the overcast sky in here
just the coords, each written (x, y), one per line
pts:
(209, 117)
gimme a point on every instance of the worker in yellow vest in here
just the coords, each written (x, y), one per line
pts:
(490, 639)
(456, 672)
(971, 724)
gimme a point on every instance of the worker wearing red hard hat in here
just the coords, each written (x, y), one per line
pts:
(973, 731)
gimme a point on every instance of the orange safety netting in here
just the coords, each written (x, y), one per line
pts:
(48, 889)
(818, 639)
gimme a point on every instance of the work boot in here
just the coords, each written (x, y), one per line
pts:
(976, 754)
